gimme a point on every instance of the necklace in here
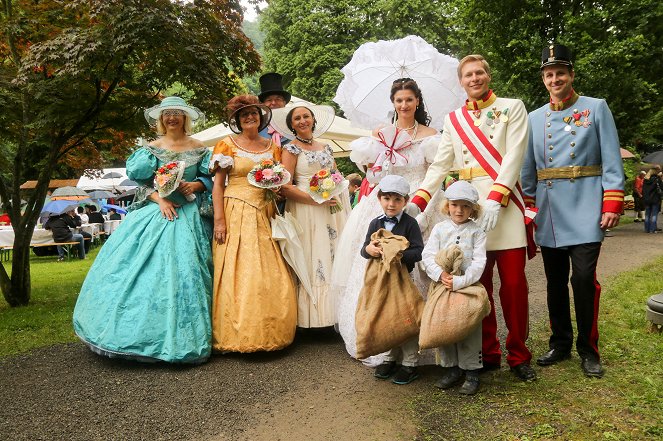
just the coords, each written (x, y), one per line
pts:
(409, 128)
(269, 147)
(415, 127)
(304, 140)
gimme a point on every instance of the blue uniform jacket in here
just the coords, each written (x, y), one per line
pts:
(570, 209)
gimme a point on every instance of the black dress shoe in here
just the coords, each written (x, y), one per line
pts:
(524, 371)
(592, 367)
(553, 356)
(487, 367)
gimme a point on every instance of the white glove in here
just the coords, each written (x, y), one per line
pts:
(491, 212)
(412, 209)
(422, 220)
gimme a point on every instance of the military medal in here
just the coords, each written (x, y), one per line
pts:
(477, 115)
(497, 116)
(586, 122)
(576, 118)
(504, 118)
(567, 120)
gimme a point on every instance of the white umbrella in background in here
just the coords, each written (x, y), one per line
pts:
(363, 95)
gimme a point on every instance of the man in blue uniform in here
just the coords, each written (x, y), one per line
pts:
(574, 176)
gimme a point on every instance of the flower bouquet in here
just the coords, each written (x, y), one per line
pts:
(326, 184)
(168, 178)
(268, 174)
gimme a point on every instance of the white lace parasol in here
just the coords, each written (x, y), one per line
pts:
(363, 95)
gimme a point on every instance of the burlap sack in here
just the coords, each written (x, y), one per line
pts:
(449, 316)
(389, 307)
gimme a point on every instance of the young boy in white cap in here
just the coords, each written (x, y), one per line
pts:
(461, 206)
(393, 194)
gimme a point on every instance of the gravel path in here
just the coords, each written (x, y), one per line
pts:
(311, 391)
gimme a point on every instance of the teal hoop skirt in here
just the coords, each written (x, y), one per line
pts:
(148, 294)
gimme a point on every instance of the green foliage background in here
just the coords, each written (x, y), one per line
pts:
(618, 46)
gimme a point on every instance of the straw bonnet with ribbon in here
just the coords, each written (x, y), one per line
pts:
(173, 103)
(322, 114)
(242, 102)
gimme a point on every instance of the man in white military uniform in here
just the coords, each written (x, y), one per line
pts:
(485, 141)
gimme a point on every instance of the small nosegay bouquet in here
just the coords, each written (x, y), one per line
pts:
(168, 178)
(326, 184)
(268, 175)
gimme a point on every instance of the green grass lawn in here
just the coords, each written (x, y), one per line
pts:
(47, 319)
(627, 404)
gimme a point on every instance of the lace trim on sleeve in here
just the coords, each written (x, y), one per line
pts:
(141, 198)
(221, 161)
(292, 148)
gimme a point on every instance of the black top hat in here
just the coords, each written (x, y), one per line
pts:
(556, 54)
(272, 84)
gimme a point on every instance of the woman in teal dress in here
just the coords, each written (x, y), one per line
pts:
(147, 296)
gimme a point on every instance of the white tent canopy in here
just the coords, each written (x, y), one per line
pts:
(339, 135)
(115, 176)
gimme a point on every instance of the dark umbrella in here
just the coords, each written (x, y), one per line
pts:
(654, 158)
(128, 183)
(112, 175)
(101, 194)
(126, 196)
(69, 193)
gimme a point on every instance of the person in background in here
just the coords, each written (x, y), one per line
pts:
(113, 214)
(638, 204)
(652, 189)
(274, 96)
(94, 217)
(353, 188)
(61, 227)
(83, 215)
(572, 160)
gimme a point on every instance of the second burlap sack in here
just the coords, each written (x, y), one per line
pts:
(389, 307)
(449, 316)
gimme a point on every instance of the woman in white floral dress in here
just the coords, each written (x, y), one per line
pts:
(304, 157)
(382, 154)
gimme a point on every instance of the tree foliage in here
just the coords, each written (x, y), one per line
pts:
(309, 41)
(76, 74)
(618, 46)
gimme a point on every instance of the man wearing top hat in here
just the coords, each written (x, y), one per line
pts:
(485, 141)
(274, 97)
(574, 176)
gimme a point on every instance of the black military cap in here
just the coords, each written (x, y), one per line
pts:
(556, 54)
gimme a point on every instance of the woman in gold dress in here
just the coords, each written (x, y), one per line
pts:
(254, 306)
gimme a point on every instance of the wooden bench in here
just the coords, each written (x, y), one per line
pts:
(67, 246)
(5, 252)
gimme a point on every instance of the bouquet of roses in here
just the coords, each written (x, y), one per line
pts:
(326, 184)
(168, 178)
(268, 174)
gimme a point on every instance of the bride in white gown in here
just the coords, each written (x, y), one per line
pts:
(385, 153)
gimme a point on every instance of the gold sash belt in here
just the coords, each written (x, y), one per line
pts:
(467, 174)
(570, 172)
